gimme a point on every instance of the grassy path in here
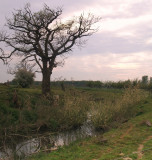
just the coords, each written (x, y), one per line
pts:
(130, 141)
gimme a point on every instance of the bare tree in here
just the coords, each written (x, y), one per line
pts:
(2, 55)
(5, 57)
(41, 36)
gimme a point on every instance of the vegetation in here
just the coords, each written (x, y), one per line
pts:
(23, 75)
(41, 37)
(123, 142)
(119, 110)
(25, 112)
(107, 84)
(26, 107)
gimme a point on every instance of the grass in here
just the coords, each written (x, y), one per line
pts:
(23, 107)
(31, 110)
(119, 109)
(34, 113)
(122, 142)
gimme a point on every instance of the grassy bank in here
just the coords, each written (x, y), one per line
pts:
(126, 141)
(28, 111)
(25, 113)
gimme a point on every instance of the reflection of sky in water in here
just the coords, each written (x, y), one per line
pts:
(65, 138)
(27, 147)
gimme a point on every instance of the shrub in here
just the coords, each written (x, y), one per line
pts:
(23, 75)
(24, 78)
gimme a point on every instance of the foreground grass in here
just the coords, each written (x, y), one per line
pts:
(122, 142)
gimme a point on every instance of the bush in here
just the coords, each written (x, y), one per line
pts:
(23, 75)
(24, 78)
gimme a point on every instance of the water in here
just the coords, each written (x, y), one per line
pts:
(53, 141)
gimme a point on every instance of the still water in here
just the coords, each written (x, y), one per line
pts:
(34, 145)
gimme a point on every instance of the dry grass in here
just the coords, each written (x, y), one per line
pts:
(109, 113)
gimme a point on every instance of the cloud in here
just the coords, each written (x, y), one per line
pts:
(122, 47)
(117, 24)
(4, 76)
(149, 41)
(106, 66)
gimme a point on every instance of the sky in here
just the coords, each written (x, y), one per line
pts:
(120, 50)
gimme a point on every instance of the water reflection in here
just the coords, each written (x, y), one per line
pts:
(34, 145)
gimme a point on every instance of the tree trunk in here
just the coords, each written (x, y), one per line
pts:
(46, 73)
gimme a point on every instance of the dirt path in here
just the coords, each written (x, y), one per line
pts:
(127, 132)
(141, 146)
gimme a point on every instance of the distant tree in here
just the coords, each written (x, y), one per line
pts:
(23, 75)
(42, 37)
(90, 84)
(150, 80)
(145, 80)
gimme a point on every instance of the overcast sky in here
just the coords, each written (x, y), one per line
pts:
(120, 50)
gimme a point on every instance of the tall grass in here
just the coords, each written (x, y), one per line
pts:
(70, 111)
(110, 113)
(36, 112)
(34, 115)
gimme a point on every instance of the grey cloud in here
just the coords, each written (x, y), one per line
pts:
(111, 43)
(104, 42)
(140, 8)
(135, 9)
(4, 76)
(69, 6)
